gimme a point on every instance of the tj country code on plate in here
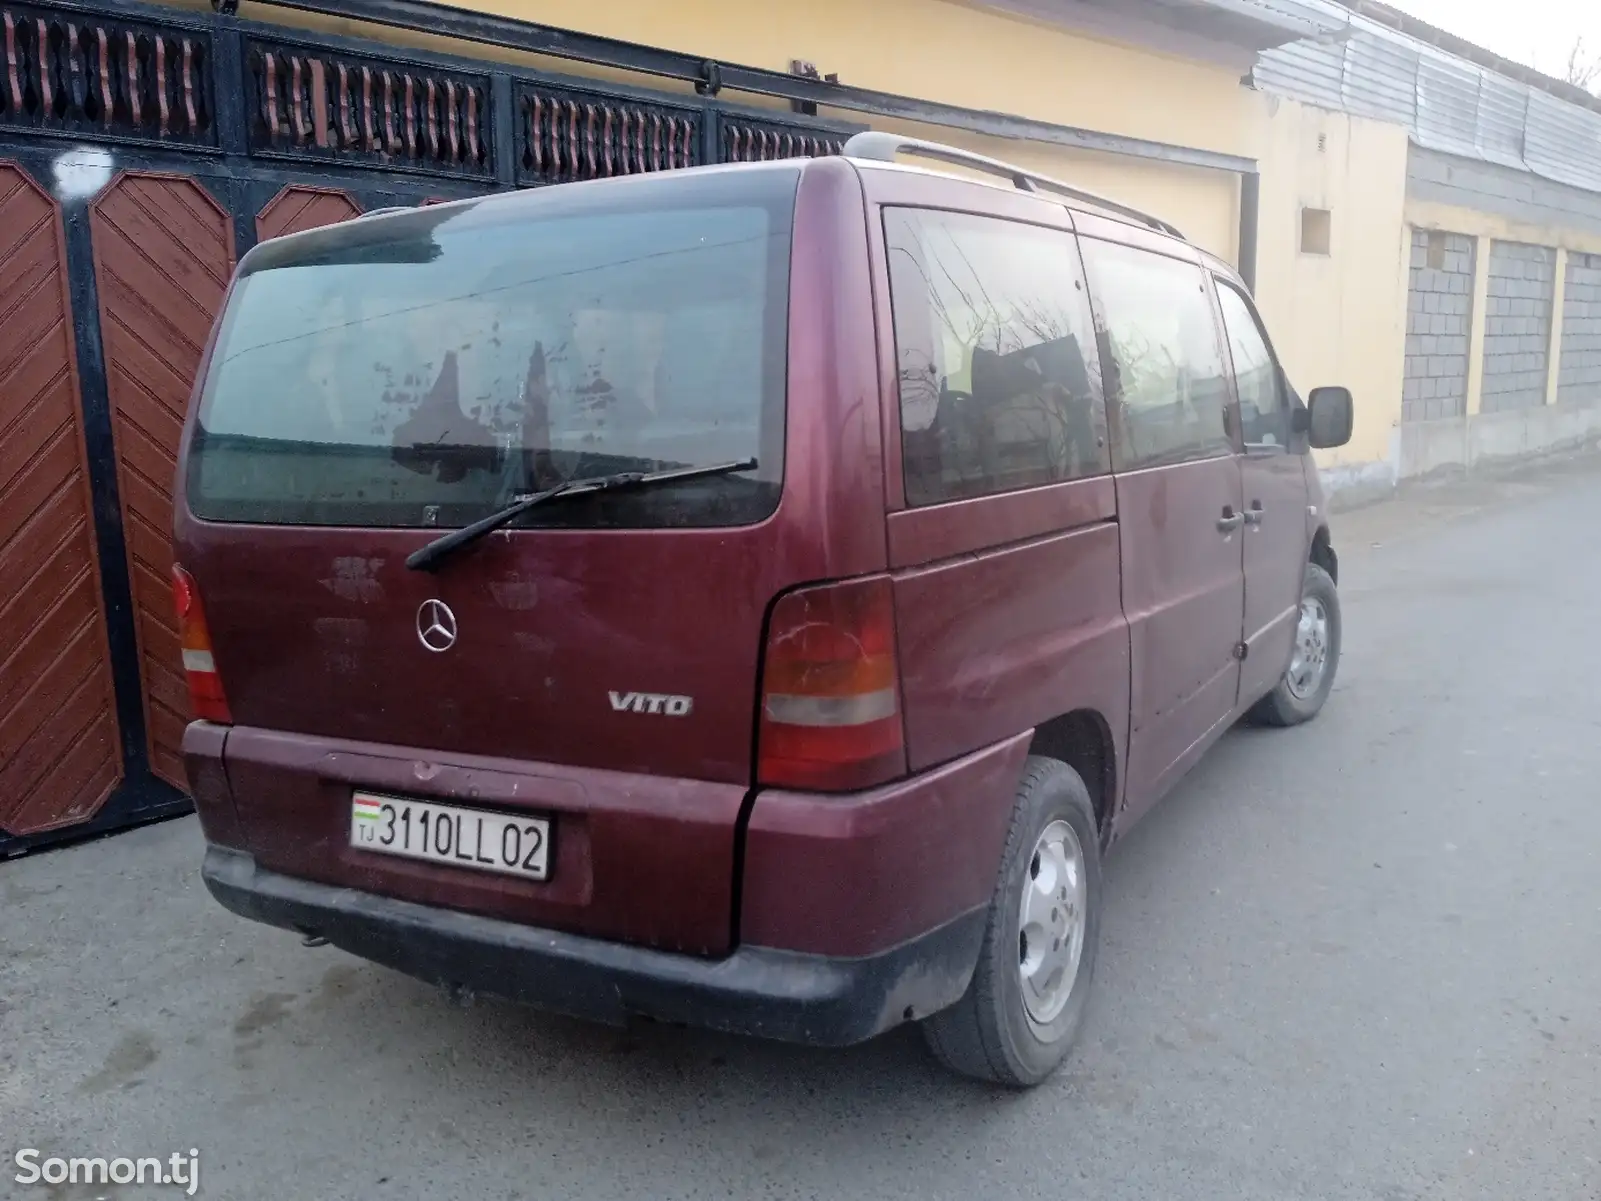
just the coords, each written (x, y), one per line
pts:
(489, 842)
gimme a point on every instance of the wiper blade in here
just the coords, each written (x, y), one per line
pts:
(424, 558)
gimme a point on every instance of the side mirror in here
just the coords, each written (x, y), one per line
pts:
(1329, 416)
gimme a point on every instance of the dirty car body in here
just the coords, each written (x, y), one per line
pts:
(740, 750)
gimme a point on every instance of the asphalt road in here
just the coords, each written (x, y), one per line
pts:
(1361, 959)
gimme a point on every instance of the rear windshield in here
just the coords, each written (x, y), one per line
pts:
(426, 368)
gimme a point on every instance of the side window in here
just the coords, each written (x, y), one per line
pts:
(1264, 404)
(999, 381)
(1165, 369)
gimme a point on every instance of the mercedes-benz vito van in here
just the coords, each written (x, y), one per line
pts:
(753, 596)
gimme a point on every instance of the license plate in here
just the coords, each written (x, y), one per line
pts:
(488, 842)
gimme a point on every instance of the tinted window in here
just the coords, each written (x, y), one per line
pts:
(1164, 364)
(424, 369)
(1264, 406)
(999, 383)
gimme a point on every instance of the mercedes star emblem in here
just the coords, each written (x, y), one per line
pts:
(436, 625)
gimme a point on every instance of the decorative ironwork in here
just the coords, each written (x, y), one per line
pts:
(568, 135)
(751, 140)
(315, 102)
(82, 74)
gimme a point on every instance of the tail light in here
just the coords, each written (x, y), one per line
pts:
(205, 685)
(830, 718)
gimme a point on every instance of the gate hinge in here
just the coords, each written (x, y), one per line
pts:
(1241, 650)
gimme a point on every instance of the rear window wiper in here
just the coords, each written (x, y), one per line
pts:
(425, 558)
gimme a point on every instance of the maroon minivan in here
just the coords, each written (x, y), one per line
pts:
(751, 596)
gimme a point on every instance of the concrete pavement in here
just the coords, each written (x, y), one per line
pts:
(1357, 960)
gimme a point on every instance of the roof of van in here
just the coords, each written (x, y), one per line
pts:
(880, 156)
(883, 147)
(1084, 206)
(292, 245)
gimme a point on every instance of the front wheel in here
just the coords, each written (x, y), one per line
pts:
(1305, 685)
(1024, 1007)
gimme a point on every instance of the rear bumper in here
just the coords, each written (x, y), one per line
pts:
(642, 861)
(787, 995)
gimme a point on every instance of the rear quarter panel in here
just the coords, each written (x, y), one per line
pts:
(997, 641)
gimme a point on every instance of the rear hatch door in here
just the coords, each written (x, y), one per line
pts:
(378, 384)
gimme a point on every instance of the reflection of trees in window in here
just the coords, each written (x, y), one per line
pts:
(1167, 409)
(996, 390)
(1067, 403)
(1159, 338)
(1264, 415)
(1149, 398)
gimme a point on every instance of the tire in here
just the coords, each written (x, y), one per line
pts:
(991, 1034)
(1287, 705)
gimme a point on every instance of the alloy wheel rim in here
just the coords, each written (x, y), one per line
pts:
(1311, 656)
(1052, 920)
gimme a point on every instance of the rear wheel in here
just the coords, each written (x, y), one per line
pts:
(1023, 1009)
(1305, 685)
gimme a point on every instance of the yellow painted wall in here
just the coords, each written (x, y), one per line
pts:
(939, 50)
(933, 49)
(1338, 318)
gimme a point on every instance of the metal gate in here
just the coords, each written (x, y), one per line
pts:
(58, 723)
(142, 150)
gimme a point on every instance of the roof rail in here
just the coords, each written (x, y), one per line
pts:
(388, 208)
(886, 147)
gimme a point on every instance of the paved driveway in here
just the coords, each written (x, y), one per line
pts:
(1356, 960)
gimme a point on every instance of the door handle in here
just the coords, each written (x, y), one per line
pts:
(1254, 515)
(1230, 521)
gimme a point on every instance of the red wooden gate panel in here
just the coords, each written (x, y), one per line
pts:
(60, 753)
(298, 207)
(163, 251)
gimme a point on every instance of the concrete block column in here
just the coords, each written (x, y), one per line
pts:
(1481, 293)
(1553, 358)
